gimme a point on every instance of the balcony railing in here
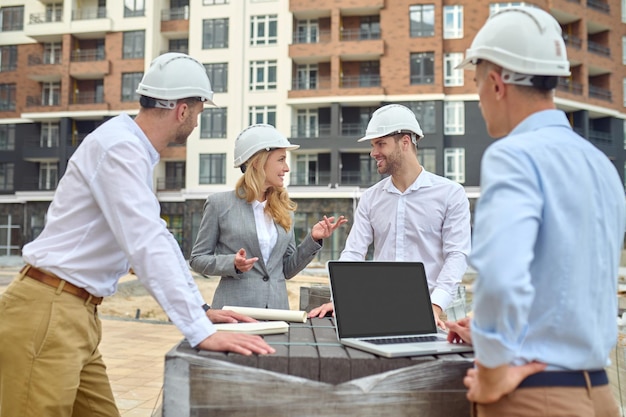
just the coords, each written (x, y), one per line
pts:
(599, 5)
(177, 13)
(569, 86)
(170, 184)
(87, 55)
(311, 83)
(89, 13)
(599, 93)
(598, 49)
(310, 178)
(599, 136)
(36, 101)
(87, 97)
(321, 36)
(310, 131)
(44, 59)
(358, 35)
(45, 17)
(352, 129)
(360, 81)
(359, 178)
(573, 41)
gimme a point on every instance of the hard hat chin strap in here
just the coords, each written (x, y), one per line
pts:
(541, 82)
(150, 102)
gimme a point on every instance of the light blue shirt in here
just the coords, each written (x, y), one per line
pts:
(548, 233)
(429, 222)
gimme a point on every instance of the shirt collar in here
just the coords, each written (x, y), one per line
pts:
(424, 179)
(154, 155)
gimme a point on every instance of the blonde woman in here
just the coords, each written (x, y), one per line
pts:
(246, 235)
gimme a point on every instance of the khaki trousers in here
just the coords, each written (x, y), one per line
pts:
(50, 365)
(552, 402)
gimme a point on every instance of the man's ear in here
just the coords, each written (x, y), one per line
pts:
(182, 110)
(498, 85)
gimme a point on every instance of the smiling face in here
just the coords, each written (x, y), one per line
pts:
(275, 168)
(387, 153)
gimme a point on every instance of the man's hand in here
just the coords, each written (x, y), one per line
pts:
(322, 310)
(241, 263)
(227, 316)
(437, 313)
(459, 331)
(244, 344)
(488, 385)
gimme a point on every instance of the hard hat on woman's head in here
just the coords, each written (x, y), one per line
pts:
(174, 76)
(258, 137)
(525, 41)
(390, 119)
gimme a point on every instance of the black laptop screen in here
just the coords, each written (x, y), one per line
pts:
(380, 298)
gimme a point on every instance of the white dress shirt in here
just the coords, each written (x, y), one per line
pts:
(105, 218)
(265, 229)
(428, 223)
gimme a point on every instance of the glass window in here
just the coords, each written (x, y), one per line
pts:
(425, 114)
(307, 31)
(262, 75)
(454, 164)
(307, 123)
(54, 12)
(306, 77)
(218, 74)
(423, 68)
(214, 33)
(48, 175)
(262, 114)
(454, 117)
(453, 22)
(52, 52)
(8, 58)
(212, 168)
(130, 82)
(624, 92)
(422, 20)
(7, 97)
(7, 137)
(213, 2)
(133, 8)
(9, 235)
(494, 7)
(50, 94)
(452, 77)
(369, 27)
(6, 176)
(428, 159)
(134, 44)
(263, 30)
(179, 45)
(11, 18)
(213, 123)
(49, 137)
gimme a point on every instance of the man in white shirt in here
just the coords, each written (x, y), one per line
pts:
(104, 219)
(412, 215)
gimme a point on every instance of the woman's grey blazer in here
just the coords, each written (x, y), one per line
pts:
(228, 225)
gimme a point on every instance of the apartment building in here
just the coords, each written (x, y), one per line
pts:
(315, 70)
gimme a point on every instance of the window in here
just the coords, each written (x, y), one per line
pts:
(6, 176)
(428, 159)
(422, 20)
(495, 7)
(213, 2)
(134, 42)
(369, 27)
(175, 226)
(48, 175)
(7, 137)
(306, 77)
(453, 22)
(50, 94)
(133, 8)
(218, 74)
(624, 50)
(307, 123)
(454, 164)
(263, 30)
(624, 92)
(307, 170)
(423, 68)
(624, 127)
(262, 114)
(425, 114)
(7, 97)
(54, 12)
(369, 74)
(623, 11)
(179, 45)
(452, 77)
(52, 53)
(11, 18)
(214, 33)
(213, 123)
(8, 58)
(262, 75)
(213, 168)
(307, 31)
(454, 118)
(49, 137)
(130, 82)
(368, 171)
(9, 236)
(174, 175)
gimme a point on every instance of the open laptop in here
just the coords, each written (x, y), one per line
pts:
(385, 308)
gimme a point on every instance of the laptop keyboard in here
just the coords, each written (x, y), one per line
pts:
(395, 340)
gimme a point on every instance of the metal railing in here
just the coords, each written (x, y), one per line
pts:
(44, 59)
(36, 101)
(310, 131)
(173, 184)
(573, 41)
(177, 13)
(599, 5)
(360, 81)
(89, 13)
(598, 49)
(45, 17)
(310, 178)
(599, 93)
(87, 97)
(321, 36)
(359, 178)
(311, 83)
(86, 55)
(567, 85)
(358, 35)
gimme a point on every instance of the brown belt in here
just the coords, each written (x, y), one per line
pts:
(54, 281)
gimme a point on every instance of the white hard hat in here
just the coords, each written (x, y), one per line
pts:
(257, 137)
(389, 119)
(173, 76)
(523, 40)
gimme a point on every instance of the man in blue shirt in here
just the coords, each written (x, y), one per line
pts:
(548, 234)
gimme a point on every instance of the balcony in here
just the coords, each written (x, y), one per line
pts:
(321, 130)
(175, 22)
(568, 86)
(170, 184)
(45, 27)
(358, 35)
(90, 22)
(599, 6)
(364, 179)
(87, 97)
(311, 83)
(360, 81)
(37, 150)
(45, 101)
(352, 129)
(598, 49)
(320, 36)
(573, 41)
(600, 137)
(310, 178)
(599, 93)
(31, 183)
(89, 64)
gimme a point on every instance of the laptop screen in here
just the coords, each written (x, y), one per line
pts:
(374, 299)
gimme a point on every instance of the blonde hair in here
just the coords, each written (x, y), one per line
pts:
(250, 187)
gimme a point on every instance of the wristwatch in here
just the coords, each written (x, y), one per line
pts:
(206, 307)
